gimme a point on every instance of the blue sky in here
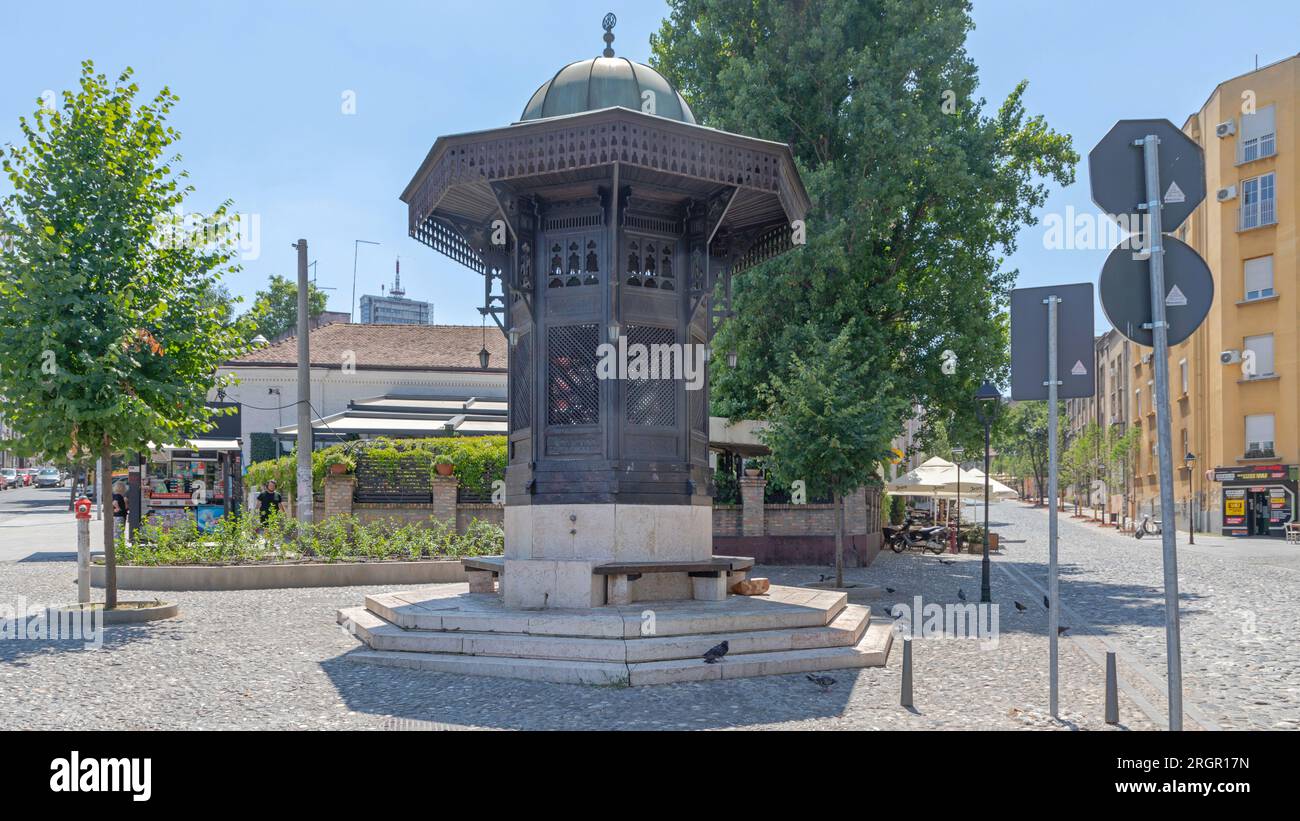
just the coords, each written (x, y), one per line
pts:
(262, 84)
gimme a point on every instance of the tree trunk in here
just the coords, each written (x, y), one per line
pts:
(839, 539)
(106, 503)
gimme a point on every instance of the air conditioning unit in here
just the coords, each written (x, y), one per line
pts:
(1230, 357)
(1225, 194)
(1226, 129)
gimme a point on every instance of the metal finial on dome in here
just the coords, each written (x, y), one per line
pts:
(608, 24)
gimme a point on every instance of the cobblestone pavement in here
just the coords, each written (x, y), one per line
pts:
(275, 660)
(1239, 620)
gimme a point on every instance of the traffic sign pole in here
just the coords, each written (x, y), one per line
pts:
(1164, 444)
(1053, 611)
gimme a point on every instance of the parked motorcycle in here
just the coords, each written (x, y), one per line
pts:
(1148, 527)
(934, 539)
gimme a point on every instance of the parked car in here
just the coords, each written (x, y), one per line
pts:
(9, 478)
(49, 477)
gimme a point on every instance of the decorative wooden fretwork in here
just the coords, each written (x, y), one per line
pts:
(444, 238)
(572, 389)
(573, 260)
(652, 402)
(521, 383)
(771, 243)
(543, 147)
(650, 263)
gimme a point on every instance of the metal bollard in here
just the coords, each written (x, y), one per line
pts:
(906, 699)
(1112, 690)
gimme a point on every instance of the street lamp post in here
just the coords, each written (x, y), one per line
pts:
(956, 453)
(356, 243)
(1191, 499)
(987, 396)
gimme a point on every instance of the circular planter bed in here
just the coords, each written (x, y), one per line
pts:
(274, 575)
(129, 612)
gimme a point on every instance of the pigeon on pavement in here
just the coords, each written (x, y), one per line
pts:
(1060, 631)
(946, 561)
(714, 654)
(1020, 608)
(961, 594)
(889, 590)
(1047, 603)
(824, 682)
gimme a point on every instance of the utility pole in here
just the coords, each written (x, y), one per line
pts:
(304, 500)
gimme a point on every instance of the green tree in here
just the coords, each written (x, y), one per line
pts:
(917, 193)
(110, 335)
(824, 430)
(1022, 442)
(275, 308)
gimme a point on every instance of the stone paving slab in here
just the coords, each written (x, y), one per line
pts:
(273, 660)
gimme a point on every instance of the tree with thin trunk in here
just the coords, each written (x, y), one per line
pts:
(110, 333)
(827, 431)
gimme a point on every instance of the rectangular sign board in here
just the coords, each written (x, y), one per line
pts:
(1075, 348)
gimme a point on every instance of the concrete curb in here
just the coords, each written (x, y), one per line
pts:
(275, 576)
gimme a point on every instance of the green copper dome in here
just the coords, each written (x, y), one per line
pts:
(602, 82)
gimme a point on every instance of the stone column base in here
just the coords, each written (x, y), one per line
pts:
(543, 583)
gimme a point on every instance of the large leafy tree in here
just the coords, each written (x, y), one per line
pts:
(918, 194)
(275, 308)
(110, 334)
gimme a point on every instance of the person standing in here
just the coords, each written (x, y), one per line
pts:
(120, 508)
(268, 500)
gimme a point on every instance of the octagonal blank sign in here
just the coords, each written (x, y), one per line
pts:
(1116, 171)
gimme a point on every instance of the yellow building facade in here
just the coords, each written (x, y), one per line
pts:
(1235, 384)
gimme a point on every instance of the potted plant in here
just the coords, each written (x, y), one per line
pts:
(339, 464)
(443, 465)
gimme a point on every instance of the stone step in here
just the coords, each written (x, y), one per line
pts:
(844, 631)
(872, 650)
(782, 609)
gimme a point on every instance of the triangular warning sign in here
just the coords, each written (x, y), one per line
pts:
(1174, 194)
(1078, 369)
(1176, 297)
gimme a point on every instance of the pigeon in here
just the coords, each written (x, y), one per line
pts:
(889, 590)
(824, 682)
(1060, 631)
(946, 561)
(961, 594)
(1020, 608)
(1047, 603)
(714, 654)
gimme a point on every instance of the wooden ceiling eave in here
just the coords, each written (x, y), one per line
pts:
(651, 146)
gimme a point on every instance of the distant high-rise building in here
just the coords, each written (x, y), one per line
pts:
(394, 308)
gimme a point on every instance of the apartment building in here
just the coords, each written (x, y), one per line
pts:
(1235, 383)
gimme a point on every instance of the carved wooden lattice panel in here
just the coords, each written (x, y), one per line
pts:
(697, 409)
(572, 390)
(652, 402)
(521, 386)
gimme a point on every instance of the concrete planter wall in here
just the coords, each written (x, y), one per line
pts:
(273, 576)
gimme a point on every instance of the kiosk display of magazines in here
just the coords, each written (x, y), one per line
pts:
(199, 481)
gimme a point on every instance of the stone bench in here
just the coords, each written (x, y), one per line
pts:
(482, 572)
(710, 579)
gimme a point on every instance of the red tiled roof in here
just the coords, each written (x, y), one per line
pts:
(407, 347)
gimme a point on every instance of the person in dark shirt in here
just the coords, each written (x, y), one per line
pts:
(267, 501)
(119, 502)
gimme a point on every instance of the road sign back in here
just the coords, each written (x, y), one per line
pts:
(1115, 170)
(1074, 342)
(1126, 292)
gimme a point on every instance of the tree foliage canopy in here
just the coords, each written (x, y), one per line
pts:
(275, 307)
(108, 326)
(918, 193)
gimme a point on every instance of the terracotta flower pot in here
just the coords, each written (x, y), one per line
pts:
(443, 469)
(338, 469)
(753, 472)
